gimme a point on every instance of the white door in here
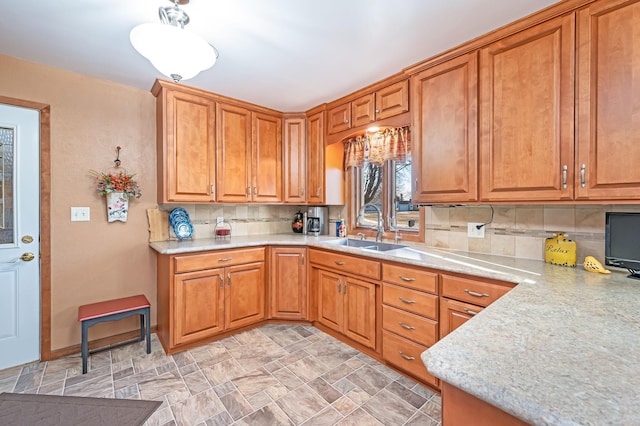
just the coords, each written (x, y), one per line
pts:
(19, 236)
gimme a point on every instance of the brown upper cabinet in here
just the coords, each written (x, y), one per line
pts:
(315, 157)
(608, 116)
(294, 150)
(186, 144)
(444, 106)
(384, 103)
(249, 155)
(526, 110)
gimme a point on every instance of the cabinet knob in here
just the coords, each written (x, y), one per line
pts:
(346, 121)
(377, 111)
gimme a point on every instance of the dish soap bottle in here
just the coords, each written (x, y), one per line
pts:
(559, 250)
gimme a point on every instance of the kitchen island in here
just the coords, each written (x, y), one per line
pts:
(562, 347)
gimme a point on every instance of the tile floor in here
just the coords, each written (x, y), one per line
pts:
(271, 375)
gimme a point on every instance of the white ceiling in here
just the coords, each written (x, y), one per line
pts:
(289, 55)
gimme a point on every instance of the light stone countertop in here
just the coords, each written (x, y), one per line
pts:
(561, 348)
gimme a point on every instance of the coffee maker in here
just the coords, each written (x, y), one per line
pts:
(317, 222)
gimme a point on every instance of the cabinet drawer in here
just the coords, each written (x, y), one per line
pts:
(473, 291)
(410, 277)
(217, 259)
(410, 300)
(405, 354)
(410, 326)
(345, 263)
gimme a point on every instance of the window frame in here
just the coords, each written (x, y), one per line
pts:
(355, 201)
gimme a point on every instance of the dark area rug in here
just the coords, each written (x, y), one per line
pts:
(47, 410)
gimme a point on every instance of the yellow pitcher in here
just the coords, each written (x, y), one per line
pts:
(559, 250)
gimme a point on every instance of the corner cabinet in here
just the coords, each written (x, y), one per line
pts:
(288, 283)
(294, 154)
(526, 110)
(186, 144)
(315, 158)
(201, 295)
(444, 104)
(608, 116)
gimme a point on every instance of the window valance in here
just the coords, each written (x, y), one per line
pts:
(376, 148)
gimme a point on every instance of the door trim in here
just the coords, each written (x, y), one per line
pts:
(45, 219)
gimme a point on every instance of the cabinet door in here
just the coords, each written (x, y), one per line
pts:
(362, 110)
(526, 110)
(267, 158)
(315, 158)
(187, 171)
(444, 105)
(392, 100)
(339, 118)
(453, 314)
(288, 285)
(244, 294)
(608, 110)
(198, 305)
(329, 293)
(359, 322)
(295, 159)
(234, 154)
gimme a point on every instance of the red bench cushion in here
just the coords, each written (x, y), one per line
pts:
(110, 307)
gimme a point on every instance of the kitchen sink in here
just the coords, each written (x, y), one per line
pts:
(365, 245)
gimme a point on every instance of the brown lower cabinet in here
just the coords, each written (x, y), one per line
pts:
(201, 295)
(461, 409)
(347, 305)
(288, 283)
(409, 318)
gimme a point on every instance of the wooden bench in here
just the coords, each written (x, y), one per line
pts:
(111, 310)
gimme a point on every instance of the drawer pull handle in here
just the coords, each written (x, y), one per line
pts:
(338, 262)
(470, 312)
(407, 357)
(406, 278)
(473, 293)
(406, 327)
(408, 301)
(225, 259)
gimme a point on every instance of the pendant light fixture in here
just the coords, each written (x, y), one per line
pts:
(174, 51)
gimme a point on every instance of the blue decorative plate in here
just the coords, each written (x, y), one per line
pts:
(183, 230)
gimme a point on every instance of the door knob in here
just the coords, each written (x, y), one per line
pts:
(28, 256)
(27, 239)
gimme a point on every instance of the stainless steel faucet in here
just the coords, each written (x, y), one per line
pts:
(380, 225)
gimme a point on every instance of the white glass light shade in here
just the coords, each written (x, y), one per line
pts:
(175, 52)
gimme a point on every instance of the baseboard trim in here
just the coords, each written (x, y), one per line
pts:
(104, 342)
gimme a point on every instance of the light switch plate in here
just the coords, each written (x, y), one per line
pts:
(80, 214)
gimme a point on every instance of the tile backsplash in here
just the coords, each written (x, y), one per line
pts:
(520, 230)
(244, 219)
(516, 230)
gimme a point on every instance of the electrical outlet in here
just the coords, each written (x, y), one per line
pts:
(80, 214)
(473, 231)
(219, 219)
